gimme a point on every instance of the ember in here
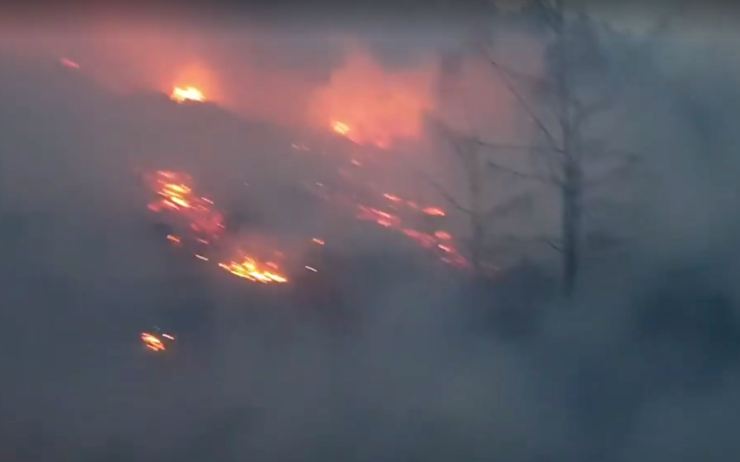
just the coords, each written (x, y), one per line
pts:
(68, 63)
(434, 211)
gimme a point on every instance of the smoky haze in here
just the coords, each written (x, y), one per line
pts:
(386, 352)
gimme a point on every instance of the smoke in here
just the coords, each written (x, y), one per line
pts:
(382, 354)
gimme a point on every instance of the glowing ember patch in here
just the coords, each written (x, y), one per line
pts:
(152, 342)
(176, 196)
(392, 197)
(174, 239)
(187, 94)
(318, 241)
(200, 257)
(380, 217)
(425, 240)
(340, 128)
(434, 211)
(443, 235)
(250, 269)
(311, 268)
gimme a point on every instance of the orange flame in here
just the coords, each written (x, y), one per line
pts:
(251, 269)
(152, 342)
(177, 196)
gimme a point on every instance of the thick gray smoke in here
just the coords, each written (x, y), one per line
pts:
(384, 354)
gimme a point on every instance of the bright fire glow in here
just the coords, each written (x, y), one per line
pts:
(371, 105)
(340, 127)
(405, 219)
(204, 225)
(251, 269)
(176, 196)
(187, 94)
(152, 342)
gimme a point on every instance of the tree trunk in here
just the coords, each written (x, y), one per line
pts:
(571, 225)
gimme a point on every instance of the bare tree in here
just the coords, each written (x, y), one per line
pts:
(573, 92)
(472, 156)
(562, 104)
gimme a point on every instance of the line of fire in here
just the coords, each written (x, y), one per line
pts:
(194, 223)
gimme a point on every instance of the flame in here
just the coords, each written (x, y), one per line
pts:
(176, 196)
(408, 211)
(152, 342)
(187, 94)
(249, 268)
(204, 222)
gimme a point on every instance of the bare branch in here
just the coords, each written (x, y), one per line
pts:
(528, 176)
(552, 244)
(506, 79)
(617, 171)
(512, 147)
(585, 111)
(446, 195)
(545, 240)
(507, 206)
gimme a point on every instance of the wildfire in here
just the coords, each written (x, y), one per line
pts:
(204, 223)
(251, 269)
(187, 94)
